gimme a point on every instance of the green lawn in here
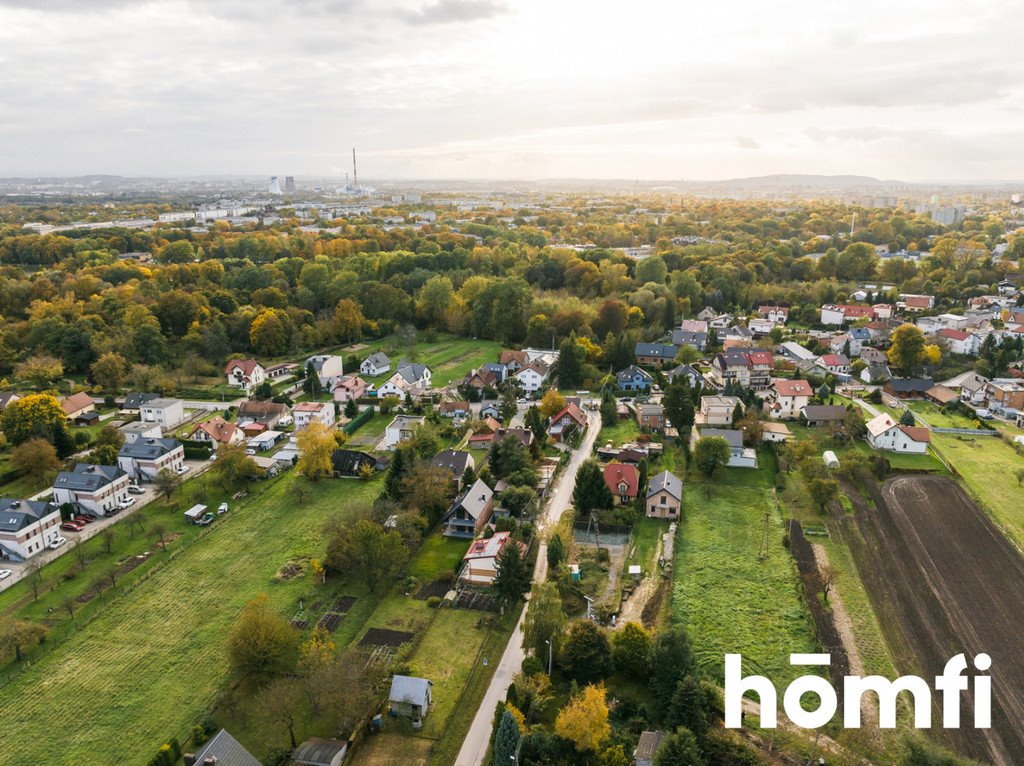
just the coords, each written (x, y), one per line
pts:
(625, 430)
(449, 357)
(938, 417)
(988, 465)
(728, 599)
(154, 661)
(438, 554)
(646, 533)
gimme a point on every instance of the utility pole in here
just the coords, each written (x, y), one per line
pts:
(550, 643)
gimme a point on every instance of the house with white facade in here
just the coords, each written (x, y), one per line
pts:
(164, 412)
(26, 527)
(774, 314)
(217, 432)
(327, 368)
(532, 376)
(245, 374)
(837, 364)
(960, 341)
(375, 364)
(787, 398)
(306, 412)
(410, 378)
(717, 410)
(399, 430)
(94, 488)
(143, 459)
(884, 433)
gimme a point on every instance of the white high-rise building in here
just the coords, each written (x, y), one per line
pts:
(275, 185)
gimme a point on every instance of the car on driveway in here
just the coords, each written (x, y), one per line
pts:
(134, 489)
(128, 502)
(72, 526)
(83, 520)
(56, 542)
(5, 573)
(181, 469)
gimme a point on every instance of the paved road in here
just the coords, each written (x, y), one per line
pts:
(474, 748)
(196, 467)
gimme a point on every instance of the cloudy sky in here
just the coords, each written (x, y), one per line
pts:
(651, 89)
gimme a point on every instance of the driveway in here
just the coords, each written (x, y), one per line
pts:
(474, 747)
(196, 467)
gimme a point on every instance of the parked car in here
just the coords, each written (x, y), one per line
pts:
(205, 520)
(83, 520)
(213, 456)
(135, 489)
(72, 526)
(128, 502)
(250, 452)
(56, 542)
(983, 414)
(181, 469)
(5, 573)
(114, 511)
(88, 516)
(222, 508)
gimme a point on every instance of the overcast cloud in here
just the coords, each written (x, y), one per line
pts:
(517, 89)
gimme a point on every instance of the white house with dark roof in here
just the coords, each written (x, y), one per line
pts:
(375, 364)
(143, 459)
(327, 367)
(410, 378)
(27, 527)
(165, 412)
(139, 430)
(94, 488)
(399, 430)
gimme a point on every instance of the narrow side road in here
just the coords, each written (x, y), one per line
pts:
(474, 748)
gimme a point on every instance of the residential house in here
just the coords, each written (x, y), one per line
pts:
(165, 412)
(94, 488)
(796, 353)
(823, 414)
(941, 395)
(774, 432)
(735, 335)
(77, 404)
(760, 327)
(750, 368)
(875, 374)
(570, 420)
(375, 364)
(26, 527)
(480, 564)
(513, 361)
(1005, 394)
(873, 356)
(687, 371)
(143, 459)
(349, 463)
(908, 388)
(623, 481)
(654, 354)
(410, 378)
(399, 430)
(459, 409)
(774, 314)
(694, 325)
(647, 747)
(319, 751)
(837, 364)
(633, 379)
(915, 303)
(455, 462)
(971, 386)
(697, 339)
(469, 513)
(245, 374)
(651, 416)
(788, 398)
(717, 410)
(327, 368)
(268, 414)
(306, 412)
(490, 409)
(349, 387)
(221, 750)
(740, 456)
(960, 342)
(884, 433)
(664, 496)
(720, 321)
(140, 430)
(133, 401)
(480, 378)
(707, 314)
(836, 314)
(216, 432)
(532, 376)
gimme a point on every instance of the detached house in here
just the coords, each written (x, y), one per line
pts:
(884, 433)
(143, 459)
(532, 376)
(455, 462)
(750, 368)
(306, 412)
(837, 364)
(567, 422)
(740, 456)
(469, 513)
(633, 379)
(399, 430)
(651, 416)
(908, 388)
(788, 398)
(623, 481)
(375, 364)
(349, 387)
(480, 564)
(77, 405)
(216, 432)
(245, 374)
(654, 354)
(410, 378)
(94, 488)
(327, 368)
(960, 342)
(268, 414)
(664, 496)
(697, 339)
(165, 412)
(717, 410)
(26, 527)
(774, 314)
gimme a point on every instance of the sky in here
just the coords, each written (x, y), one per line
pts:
(530, 89)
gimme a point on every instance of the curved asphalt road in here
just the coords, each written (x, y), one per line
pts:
(474, 748)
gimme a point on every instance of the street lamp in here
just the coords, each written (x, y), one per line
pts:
(550, 648)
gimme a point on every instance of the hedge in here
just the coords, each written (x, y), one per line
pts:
(350, 427)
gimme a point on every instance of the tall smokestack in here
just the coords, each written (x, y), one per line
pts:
(355, 175)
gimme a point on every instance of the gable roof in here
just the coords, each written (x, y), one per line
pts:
(666, 481)
(17, 514)
(834, 360)
(76, 402)
(731, 435)
(413, 372)
(475, 499)
(953, 334)
(573, 412)
(261, 410)
(245, 365)
(227, 750)
(620, 473)
(135, 400)
(920, 385)
(409, 689)
(659, 350)
(633, 371)
(916, 433)
(824, 412)
(454, 460)
(379, 359)
(348, 461)
(85, 477)
(218, 429)
(879, 424)
(786, 387)
(148, 449)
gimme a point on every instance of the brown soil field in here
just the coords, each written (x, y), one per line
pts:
(944, 580)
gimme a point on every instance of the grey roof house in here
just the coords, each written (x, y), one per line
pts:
(469, 513)
(409, 697)
(222, 750)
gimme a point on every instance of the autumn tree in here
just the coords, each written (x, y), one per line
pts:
(18, 635)
(545, 619)
(316, 447)
(37, 416)
(711, 453)
(40, 371)
(551, 403)
(110, 371)
(36, 459)
(909, 351)
(270, 332)
(167, 482)
(347, 322)
(366, 550)
(584, 720)
(262, 645)
(234, 467)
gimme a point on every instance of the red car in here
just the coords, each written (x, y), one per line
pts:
(72, 526)
(83, 520)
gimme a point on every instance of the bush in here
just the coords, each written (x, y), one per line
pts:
(532, 666)
(434, 602)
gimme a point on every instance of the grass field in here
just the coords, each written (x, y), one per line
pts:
(151, 664)
(937, 417)
(625, 430)
(448, 357)
(988, 466)
(728, 599)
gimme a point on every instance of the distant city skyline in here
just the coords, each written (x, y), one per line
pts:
(478, 89)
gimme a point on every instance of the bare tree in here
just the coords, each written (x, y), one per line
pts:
(108, 536)
(80, 554)
(34, 575)
(138, 520)
(68, 604)
(111, 575)
(159, 532)
(827, 577)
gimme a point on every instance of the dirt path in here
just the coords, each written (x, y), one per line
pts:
(633, 607)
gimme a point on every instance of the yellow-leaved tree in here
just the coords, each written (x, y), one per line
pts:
(584, 720)
(316, 445)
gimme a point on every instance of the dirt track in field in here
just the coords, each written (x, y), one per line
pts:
(944, 580)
